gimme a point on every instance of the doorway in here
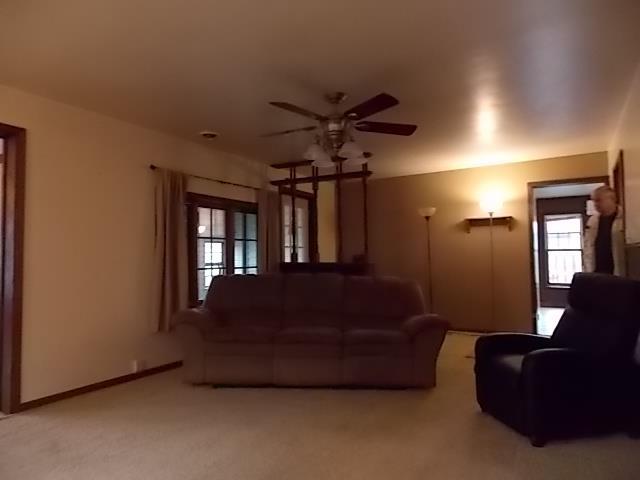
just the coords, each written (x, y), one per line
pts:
(11, 248)
(558, 213)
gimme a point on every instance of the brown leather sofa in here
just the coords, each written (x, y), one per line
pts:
(311, 330)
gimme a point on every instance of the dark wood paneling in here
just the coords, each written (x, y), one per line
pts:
(322, 178)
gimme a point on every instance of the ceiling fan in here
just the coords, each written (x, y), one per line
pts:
(335, 131)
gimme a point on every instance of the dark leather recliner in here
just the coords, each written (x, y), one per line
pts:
(579, 381)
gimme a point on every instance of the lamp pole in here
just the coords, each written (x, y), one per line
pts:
(491, 270)
(427, 213)
(429, 274)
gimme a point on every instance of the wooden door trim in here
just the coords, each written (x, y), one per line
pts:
(12, 263)
(531, 186)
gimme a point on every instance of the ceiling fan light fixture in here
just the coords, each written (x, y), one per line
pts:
(356, 161)
(323, 161)
(351, 150)
(313, 152)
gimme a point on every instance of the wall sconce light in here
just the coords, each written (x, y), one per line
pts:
(427, 213)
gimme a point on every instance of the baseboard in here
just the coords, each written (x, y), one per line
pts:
(38, 402)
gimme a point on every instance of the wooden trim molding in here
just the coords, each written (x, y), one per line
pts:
(531, 186)
(97, 386)
(12, 258)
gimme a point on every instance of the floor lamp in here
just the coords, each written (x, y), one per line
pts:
(427, 213)
(491, 205)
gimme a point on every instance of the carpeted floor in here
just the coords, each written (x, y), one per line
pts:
(160, 429)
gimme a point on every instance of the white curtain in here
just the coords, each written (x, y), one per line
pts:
(170, 247)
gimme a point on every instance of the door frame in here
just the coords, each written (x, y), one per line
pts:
(12, 266)
(531, 186)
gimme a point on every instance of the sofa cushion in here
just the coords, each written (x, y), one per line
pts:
(316, 335)
(246, 300)
(380, 302)
(239, 349)
(313, 299)
(242, 334)
(365, 342)
(368, 336)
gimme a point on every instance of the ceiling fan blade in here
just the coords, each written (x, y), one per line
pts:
(373, 105)
(388, 128)
(298, 110)
(285, 132)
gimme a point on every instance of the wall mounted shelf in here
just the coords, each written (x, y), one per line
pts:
(486, 221)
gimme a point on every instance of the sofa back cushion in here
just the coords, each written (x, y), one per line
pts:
(603, 315)
(247, 300)
(313, 299)
(380, 302)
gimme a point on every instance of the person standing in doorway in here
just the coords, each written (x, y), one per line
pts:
(603, 250)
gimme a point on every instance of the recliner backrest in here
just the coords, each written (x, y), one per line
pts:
(603, 316)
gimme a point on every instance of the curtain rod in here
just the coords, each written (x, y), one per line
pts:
(224, 182)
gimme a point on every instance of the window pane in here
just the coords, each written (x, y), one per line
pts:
(563, 264)
(218, 222)
(287, 236)
(204, 222)
(287, 254)
(210, 253)
(563, 232)
(253, 271)
(238, 254)
(563, 223)
(252, 254)
(238, 224)
(252, 226)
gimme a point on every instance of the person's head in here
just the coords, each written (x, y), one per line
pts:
(604, 200)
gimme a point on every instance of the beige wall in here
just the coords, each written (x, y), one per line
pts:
(327, 221)
(627, 137)
(89, 238)
(460, 260)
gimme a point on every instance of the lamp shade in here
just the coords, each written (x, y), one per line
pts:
(350, 150)
(355, 161)
(491, 203)
(318, 156)
(313, 152)
(322, 160)
(427, 212)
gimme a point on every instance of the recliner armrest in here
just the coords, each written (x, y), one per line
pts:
(420, 323)
(493, 344)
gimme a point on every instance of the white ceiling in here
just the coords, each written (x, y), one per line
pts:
(568, 190)
(487, 81)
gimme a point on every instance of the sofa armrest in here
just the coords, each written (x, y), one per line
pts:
(413, 326)
(493, 344)
(199, 318)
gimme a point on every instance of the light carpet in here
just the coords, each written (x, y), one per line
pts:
(158, 428)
